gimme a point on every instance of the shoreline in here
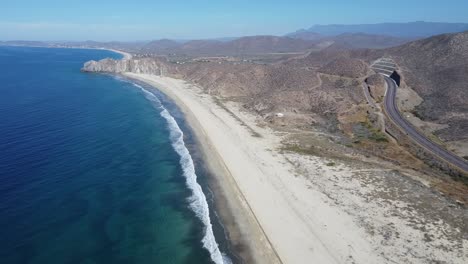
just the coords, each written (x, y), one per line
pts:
(246, 237)
(126, 55)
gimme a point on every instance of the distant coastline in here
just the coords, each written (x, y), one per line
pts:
(125, 55)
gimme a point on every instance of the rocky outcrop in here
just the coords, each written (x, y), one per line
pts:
(147, 66)
(376, 84)
(436, 69)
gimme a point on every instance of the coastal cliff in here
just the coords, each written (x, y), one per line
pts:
(146, 66)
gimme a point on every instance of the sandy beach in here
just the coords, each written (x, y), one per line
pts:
(289, 208)
(126, 55)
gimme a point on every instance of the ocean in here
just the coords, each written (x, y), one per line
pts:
(95, 168)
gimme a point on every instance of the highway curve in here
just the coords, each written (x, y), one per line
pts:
(391, 108)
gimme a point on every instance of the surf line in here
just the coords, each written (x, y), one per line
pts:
(198, 202)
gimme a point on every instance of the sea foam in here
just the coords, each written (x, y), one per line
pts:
(198, 202)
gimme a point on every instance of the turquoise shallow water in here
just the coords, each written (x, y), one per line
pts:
(88, 169)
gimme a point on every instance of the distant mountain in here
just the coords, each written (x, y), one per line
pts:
(162, 45)
(250, 45)
(352, 40)
(268, 44)
(23, 43)
(403, 30)
(239, 46)
(368, 41)
(305, 34)
(202, 45)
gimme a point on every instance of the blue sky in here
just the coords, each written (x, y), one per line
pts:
(152, 19)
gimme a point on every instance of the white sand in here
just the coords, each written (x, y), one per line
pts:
(300, 219)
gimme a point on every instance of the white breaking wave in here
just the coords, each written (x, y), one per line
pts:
(198, 202)
(149, 95)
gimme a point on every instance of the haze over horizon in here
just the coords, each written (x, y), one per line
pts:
(52, 20)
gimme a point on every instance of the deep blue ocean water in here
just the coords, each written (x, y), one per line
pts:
(91, 168)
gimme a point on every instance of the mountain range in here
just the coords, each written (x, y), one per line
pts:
(409, 30)
(318, 37)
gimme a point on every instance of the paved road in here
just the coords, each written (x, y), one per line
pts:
(392, 110)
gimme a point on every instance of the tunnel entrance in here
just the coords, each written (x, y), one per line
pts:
(396, 77)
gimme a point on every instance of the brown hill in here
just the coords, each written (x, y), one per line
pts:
(305, 96)
(241, 46)
(160, 46)
(353, 40)
(307, 35)
(346, 67)
(367, 41)
(201, 46)
(267, 44)
(437, 69)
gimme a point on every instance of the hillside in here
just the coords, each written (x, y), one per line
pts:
(353, 40)
(369, 41)
(304, 34)
(241, 46)
(346, 67)
(437, 69)
(160, 46)
(307, 97)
